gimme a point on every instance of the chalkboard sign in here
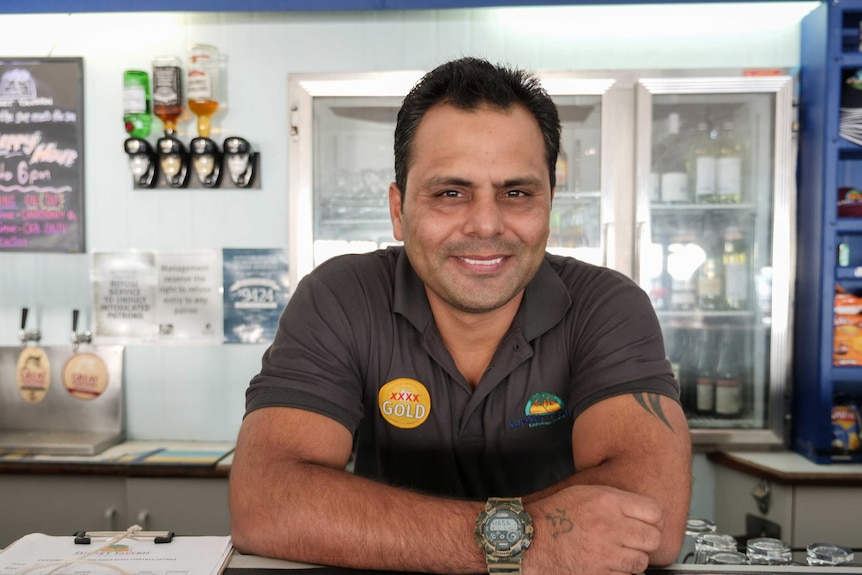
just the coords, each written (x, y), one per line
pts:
(42, 154)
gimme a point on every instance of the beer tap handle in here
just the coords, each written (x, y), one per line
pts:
(78, 337)
(21, 333)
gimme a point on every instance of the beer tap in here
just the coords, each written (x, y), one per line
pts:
(79, 336)
(25, 335)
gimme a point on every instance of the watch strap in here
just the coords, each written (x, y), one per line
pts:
(511, 565)
(504, 567)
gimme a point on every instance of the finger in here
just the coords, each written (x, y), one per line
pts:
(642, 508)
(629, 561)
(642, 537)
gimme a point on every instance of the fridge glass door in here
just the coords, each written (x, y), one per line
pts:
(713, 207)
(352, 168)
(576, 215)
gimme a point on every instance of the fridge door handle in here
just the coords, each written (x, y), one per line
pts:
(640, 230)
(609, 254)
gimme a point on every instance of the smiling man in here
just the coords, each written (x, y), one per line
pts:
(507, 410)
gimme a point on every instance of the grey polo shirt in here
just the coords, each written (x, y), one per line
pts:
(357, 342)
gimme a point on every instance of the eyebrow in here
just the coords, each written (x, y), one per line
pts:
(456, 181)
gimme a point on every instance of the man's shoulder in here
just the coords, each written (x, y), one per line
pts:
(365, 266)
(575, 272)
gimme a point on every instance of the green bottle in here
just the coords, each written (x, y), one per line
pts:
(137, 114)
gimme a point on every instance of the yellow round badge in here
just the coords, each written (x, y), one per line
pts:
(404, 403)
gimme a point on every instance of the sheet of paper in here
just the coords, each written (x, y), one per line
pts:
(183, 556)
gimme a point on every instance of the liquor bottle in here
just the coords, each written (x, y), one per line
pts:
(705, 382)
(674, 177)
(202, 85)
(736, 274)
(728, 167)
(561, 171)
(710, 282)
(167, 92)
(702, 165)
(137, 115)
(728, 377)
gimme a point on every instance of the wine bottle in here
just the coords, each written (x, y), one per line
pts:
(728, 167)
(705, 382)
(710, 282)
(674, 178)
(728, 378)
(736, 273)
(702, 165)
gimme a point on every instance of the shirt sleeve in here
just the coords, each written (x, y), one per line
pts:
(311, 363)
(616, 343)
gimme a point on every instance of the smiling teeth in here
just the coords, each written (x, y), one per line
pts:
(493, 262)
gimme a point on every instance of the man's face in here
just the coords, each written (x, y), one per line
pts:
(475, 215)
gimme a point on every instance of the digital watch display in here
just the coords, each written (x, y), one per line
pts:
(504, 530)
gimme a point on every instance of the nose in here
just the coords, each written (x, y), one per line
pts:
(484, 216)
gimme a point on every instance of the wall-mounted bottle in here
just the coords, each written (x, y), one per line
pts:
(202, 85)
(137, 114)
(167, 91)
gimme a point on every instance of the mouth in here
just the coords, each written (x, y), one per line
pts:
(483, 263)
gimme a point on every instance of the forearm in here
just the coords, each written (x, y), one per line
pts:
(315, 514)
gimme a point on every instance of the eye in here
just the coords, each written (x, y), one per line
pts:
(516, 193)
(449, 194)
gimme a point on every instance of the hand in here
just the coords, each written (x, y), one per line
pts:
(593, 530)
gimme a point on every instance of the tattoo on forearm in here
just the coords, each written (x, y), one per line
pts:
(651, 402)
(560, 523)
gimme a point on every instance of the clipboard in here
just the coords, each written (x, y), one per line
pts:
(134, 551)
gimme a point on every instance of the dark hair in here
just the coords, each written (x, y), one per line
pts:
(467, 83)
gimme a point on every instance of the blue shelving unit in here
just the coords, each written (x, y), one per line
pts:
(827, 162)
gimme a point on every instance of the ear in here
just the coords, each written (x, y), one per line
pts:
(396, 211)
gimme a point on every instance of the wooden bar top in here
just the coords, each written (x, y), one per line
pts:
(130, 459)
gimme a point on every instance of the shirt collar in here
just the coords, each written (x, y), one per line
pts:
(545, 302)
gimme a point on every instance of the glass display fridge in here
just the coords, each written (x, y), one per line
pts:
(682, 180)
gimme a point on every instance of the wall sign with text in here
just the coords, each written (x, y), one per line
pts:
(42, 154)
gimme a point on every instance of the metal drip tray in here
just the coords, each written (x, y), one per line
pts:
(57, 442)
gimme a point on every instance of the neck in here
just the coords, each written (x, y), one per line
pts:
(472, 338)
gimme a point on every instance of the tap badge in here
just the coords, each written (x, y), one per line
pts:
(404, 403)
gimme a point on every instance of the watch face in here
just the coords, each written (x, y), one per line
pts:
(503, 529)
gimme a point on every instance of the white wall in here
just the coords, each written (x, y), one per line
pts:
(197, 392)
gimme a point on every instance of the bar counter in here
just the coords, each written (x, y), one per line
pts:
(251, 565)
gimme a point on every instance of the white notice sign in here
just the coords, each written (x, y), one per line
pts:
(124, 295)
(189, 296)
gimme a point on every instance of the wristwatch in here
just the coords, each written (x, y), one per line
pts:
(504, 531)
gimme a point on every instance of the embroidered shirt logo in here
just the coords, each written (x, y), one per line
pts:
(404, 403)
(542, 408)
